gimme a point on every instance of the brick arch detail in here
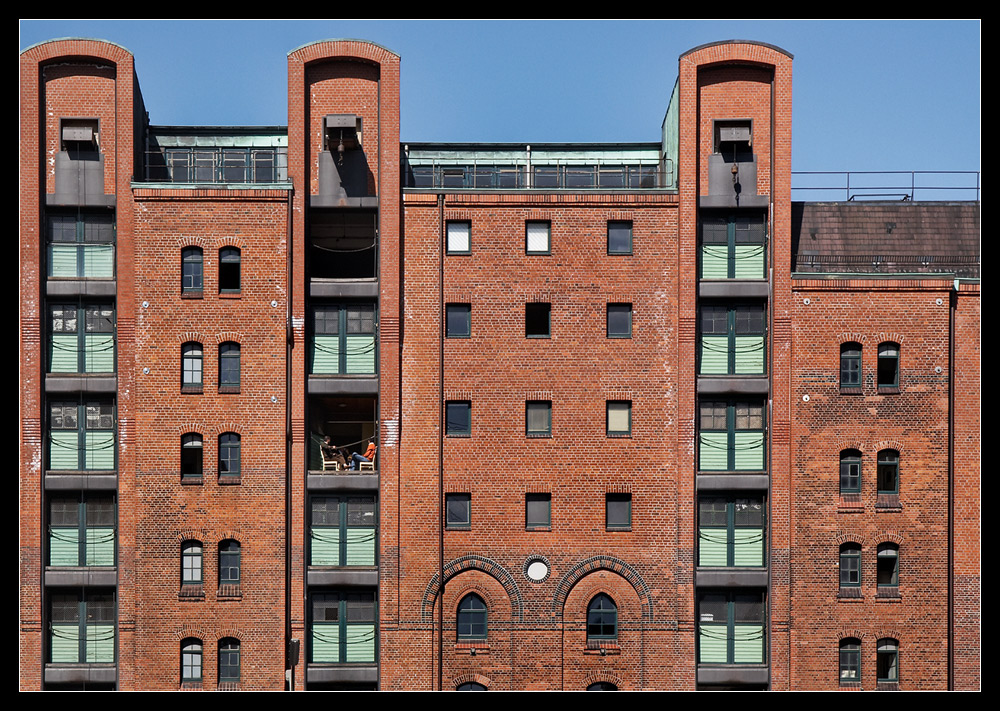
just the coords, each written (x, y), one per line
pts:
(851, 633)
(473, 562)
(884, 337)
(225, 427)
(190, 535)
(201, 243)
(230, 630)
(475, 589)
(850, 444)
(190, 428)
(889, 444)
(470, 678)
(603, 562)
(602, 676)
(190, 337)
(890, 536)
(887, 633)
(849, 537)
(231, 241)
(843, 338)
(229, 337)
(188, 632)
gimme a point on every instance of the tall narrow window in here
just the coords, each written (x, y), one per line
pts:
(229, 367)
(537, 320)
(458, 418)
(602, 618)
(229, 661)
(537, 237)
(191, 563)
(850, 471)
(471, 618)
(459, 237)
(82, 530)
(888, 366)
(850, 365)
(229, 456)
(191, 456)
(888, 471)
(850, 565)
(619, 237)
(458, 320)
(192, 271)
(81, 245)
(850, 661)
(538, 418)
(887, 569)
(191, 651)
(619, 418)
(731, 436)
(229, 270)
(229, 563)
(887, 661)
(82, 436)
(538, 511)
(192, 361)
(732, 340)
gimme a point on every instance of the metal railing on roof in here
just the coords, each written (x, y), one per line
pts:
(548, 176)
(217, 164)
(903, 185)
(966, 266)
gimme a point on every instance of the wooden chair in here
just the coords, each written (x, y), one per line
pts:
(368, 466)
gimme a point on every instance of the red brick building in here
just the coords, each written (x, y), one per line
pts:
(639, 421)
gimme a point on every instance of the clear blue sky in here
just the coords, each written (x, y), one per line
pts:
(867, 95)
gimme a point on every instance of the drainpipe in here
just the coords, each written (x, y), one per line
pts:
(441, 425)
(289, 343)
(952, 308)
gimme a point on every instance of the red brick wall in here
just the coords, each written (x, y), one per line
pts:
(914, 422)
(251, 512)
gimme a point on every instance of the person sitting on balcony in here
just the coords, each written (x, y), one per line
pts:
(332, 455)
(367, 457)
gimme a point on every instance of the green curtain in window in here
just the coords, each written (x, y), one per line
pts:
(360, 642)
(99, 356)
(749, 355)
(748, 644)
(100, 643)
(62, 260)
(98, 261)
(748, 547)
(64, 449)
(360, 546)
(326, 355)
(749, 260)
(65, 647)
(715, 261)
(714, 355)
(360, 354)
(101, 545)
(325, 642)
(325, 547)
(64, 546)
(713, 544)
(713, 451)
(100, 452)
(65, 353)
(713, 643)
(749, 451)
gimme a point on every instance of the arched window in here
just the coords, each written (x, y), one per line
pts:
(191, 456)
(887, 566)
(850, 565)
(229, 660)
(602, 618)
(470, 686)
(850, 471)
(192, 270)
(471, 620)
(229, 455)
(191, 563)
(191, 651)
(229, 367)
(229, 270)
(850, 661)
(192, 359)
(602, 686)
(888, 365)
(888, 471)
(229, 563)
(850, 365)
(887, 660)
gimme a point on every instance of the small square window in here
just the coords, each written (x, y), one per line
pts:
(538, 320)
(458, 418)
(458, 510)
(619, 237)
(459, 237)
(618, 512)
(619, 419)
(538, 511)
(538, 419)
(619, 320)
(458, 320)
(537, 238)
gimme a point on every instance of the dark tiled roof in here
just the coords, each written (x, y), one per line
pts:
(886, 237)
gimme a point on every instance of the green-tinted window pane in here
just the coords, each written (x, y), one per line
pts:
(100, 353)
(360, 351)
(100, 546)
(749, 355)
(100, 644)
(713, 643)
(326, 355)
(748, 547)
(360, 546)
(99, 261)
(65, 354)
(64, 546)
(749, 261)
(714, 261)
(360, 642)
(325, 643)
(748, 644)
(714, 355)
(713, 547)
(62, 260)
(713, 451)
(65, 647)
(325, 546)
(64, 450)
(100, 452)
(749, 454)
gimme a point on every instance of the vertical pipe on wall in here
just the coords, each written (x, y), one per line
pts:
(289, 343)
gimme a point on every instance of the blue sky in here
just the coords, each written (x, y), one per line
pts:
(866, 96)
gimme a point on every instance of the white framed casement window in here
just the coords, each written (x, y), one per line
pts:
(538, 237)
(459, 235)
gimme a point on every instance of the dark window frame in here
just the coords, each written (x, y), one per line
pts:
(230, 367)
(733, 602)
(192, 660)
(708, 508)
(461, 315)
(608, 407)
(732, 321)
(230, 562)
(342, 320)
(849, 661)
(888, 366)
(230, 270)
(850, 471)
(534, 312)
(738, 228)
(353, 513)
(471, 615)
(850, 565)
(230, 662)
(84, 230)
(538, 406)
(192, 271)
(887, 472)
(611, 498)
(620, 309)
(887, 566)
(448, 236)
(462, 504)
(80, 514)
(85, 609)
(615, 226)
(340, 601)
(850, 366)
(86, 319)
(194, 363)
(192, 456)
(192, 562)
(602, 618)
(454, 427)
(89, 416)
(528, 226)
(537, 511)
(887, 660)
(732, 416)
(230, 455)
